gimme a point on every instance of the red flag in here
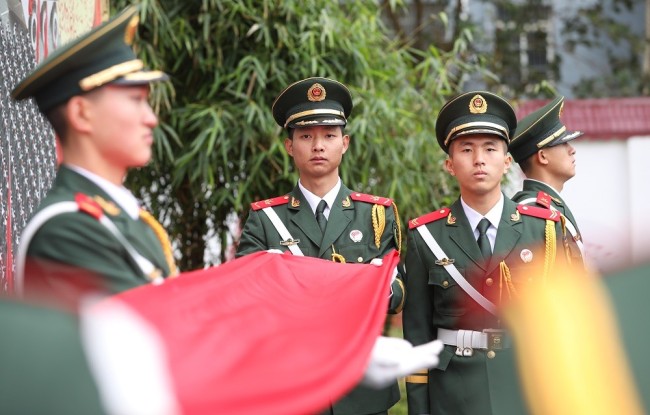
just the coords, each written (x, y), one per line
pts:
(267, 333)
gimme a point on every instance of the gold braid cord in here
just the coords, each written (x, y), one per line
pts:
(550, 248)
(163, 237)
(399, 230)
(565, 241)
(505, 278)
(337, 257)
(378, 222)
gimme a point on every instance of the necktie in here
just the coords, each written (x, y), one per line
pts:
(320, 215)
(483, 241)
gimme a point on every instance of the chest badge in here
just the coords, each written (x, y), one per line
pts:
(290, 242)
(526, 255)
(356, 235)
(445, 261)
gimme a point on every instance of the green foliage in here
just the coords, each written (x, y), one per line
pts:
(218, 148)
(602, 26)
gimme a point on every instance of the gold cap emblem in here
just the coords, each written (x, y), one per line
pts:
(477, 105)
(131, 29)
(316, 93)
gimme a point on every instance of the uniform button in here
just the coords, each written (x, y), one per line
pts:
(489, 282)
(491, 354)
(359, 259)
(445, 283)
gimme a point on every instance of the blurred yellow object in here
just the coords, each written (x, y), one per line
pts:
(569, 351)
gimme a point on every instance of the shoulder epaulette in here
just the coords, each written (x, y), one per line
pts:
(88, 205)
(544, 199)
(539, 212)
(429, 217)
(276, 201)
(377, 200)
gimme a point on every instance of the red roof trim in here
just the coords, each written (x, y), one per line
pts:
(601, 119)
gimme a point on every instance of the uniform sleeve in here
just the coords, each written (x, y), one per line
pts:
(75, 244)
(253, 236)
(417, 321)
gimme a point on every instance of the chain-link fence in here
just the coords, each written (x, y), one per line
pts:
(27, 149)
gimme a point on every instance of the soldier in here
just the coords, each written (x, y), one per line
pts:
(94, 92)
(541, 147)
(321, 217)
(463, 261)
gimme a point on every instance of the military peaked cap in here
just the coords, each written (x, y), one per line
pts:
(102, 56)
(313, 101)
(475, 112)
(539, 129)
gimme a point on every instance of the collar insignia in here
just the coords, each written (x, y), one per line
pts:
(451, 220)
(295, 202)
(346, 202)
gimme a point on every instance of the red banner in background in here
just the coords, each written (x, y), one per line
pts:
(266, 333)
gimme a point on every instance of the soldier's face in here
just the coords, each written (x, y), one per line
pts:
(561, 161)
(317, 151)
(122, 123)
(478, 162)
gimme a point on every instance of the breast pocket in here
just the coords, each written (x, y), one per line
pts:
(447, 294)
(357, 253)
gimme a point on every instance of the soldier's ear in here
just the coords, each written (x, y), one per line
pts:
(541, 157)
(288, 145)
(79, 114)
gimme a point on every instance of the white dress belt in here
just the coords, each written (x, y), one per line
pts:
(468, 340)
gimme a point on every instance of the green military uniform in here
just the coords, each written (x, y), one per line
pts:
(70, 241)
(80, 241)
(43, 366)
(360, 227)
(475, 367)
(540, 129)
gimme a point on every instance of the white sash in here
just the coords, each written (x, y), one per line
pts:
(282, 230)
(454, 273)
(568, 224)
(69, 207)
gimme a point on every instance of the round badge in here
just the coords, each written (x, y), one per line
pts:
(356, 235)
(526, 255)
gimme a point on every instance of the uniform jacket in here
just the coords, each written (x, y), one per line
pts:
(347, 218)
(531, 189)
(78, 242)
(461, 384)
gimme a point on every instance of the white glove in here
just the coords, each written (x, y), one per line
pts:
(378, 262)
(393, 358)
(274, 251)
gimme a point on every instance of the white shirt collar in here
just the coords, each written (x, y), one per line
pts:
(120, 194)
(329, 197)
(544, 183)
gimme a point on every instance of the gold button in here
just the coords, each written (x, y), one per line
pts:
(359, 259)
(491, 354)
(489, 282)
(445, 284)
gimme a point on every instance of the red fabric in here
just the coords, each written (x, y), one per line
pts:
(267, 333)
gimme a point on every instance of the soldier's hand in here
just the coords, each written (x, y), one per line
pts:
(393, 358)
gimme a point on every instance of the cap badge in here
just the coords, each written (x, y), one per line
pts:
(356, 235)
(131, 29)
(526, 255)
(316, 93)
(477, 105)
